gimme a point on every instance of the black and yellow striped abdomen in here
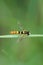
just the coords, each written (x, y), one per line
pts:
(20, 32)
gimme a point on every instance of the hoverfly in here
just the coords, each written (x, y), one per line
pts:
(21, 33)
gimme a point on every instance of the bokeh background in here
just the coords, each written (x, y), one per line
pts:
(30, 50)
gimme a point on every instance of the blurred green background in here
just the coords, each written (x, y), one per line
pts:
(30, 50)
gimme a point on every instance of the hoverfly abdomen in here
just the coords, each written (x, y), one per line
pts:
(21, 32)
(15, 32)
(18, 32)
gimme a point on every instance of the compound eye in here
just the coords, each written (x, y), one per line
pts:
(28, 33)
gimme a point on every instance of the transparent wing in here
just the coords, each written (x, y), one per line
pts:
(21, 37)
(20, 25)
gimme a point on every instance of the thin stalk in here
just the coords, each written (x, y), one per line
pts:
(16, 36)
